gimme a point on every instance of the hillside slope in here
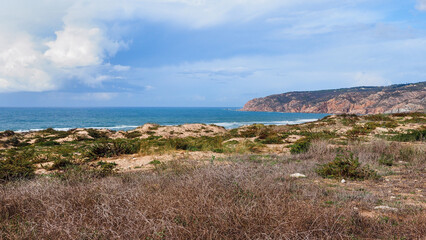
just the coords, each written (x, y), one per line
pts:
(358, 100)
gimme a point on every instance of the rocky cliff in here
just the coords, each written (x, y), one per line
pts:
(358, 100)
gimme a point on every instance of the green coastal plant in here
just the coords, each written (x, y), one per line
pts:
(410, 136)
(347, 167)
(112, 148)
(17, 165)
(301, 146)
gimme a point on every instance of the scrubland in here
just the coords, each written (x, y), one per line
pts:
(360, 177)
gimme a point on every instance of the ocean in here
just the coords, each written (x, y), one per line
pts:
(126, 118)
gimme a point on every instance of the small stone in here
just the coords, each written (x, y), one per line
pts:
(392, 197)
(386, 208)
(343, 181)
(297, 175)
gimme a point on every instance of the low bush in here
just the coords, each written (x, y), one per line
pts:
(421, 120)
(349, 119)
(410, 136)
(111, 149)
(133, 134)
(378, 117)
(106, 168)
(7, 133)
(347, 167)
(48, 144)
(17, 165)
(13, 141)
(61, 164)
(301, 146)
(386, 160)
(251, 131)
(96, 134)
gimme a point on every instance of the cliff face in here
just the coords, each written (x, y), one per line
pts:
(359, 100)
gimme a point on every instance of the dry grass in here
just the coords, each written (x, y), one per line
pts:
(249, 197)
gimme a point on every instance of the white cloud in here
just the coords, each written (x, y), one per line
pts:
(80, 47)
(191, 13)
(22, 67)
(121, 68)
(421, 5)
(72, 40)
(30, 61)
(332, 67)
(321, 21)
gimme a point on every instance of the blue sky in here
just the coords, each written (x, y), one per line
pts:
(202, 52)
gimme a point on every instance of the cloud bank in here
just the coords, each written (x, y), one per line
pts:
(258, 45)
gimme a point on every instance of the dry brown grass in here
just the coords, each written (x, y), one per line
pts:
(245, 197)
(238, 201)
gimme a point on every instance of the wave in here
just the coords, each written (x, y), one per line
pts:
(120, 127)
(227, 125)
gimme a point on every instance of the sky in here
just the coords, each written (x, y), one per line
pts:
(202, 53)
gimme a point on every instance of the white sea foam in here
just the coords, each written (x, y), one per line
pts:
(120, 127)
(239, 124)
(227, 125)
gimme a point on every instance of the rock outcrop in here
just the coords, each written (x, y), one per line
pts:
(358, 100)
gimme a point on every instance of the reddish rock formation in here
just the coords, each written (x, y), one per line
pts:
(359, 100)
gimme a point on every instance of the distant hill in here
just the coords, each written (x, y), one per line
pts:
(357, 100)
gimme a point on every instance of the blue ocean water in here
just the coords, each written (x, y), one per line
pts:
(32, 119)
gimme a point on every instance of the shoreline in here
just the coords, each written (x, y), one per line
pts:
(226, 125)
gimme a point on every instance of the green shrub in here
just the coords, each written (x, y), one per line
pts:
(386, 160)
(49, 131)
(155, 162)
(13, 141)
(358, 130)
(96, 134)
(347, 167)
(17, 165)
(111, 149)
(412, 114)
(218, 150)
(48, 144)
(252, 131)
(378, 117)
(134, 134)
(410, 136)
(61, 164)
(7, 133)
(349, 119)
(273, 139)
(317, 135)
(106, 168)
(390, 124)
(416, 120)
(196, 144)
(301, 146)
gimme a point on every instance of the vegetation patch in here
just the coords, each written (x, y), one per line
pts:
(96, 134)
(301, 146)
(61, 164)
(112, 149)
(378, 117)
(410, 136)
(16, 166)
(347, 167)
(106, 168)
(134, 134)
